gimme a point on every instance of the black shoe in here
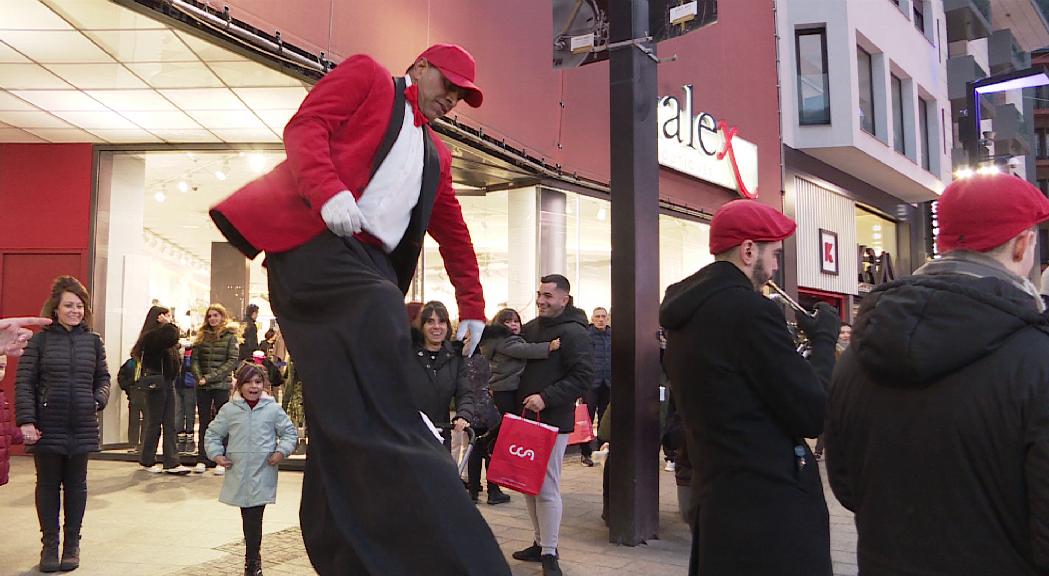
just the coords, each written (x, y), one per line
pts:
(70, 553)
(473, 496)
(587, 461)
(253, 567)
(49, 553)
(550, 565)
(531, 554)
(497, 497)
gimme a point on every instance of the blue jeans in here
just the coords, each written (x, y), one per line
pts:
(185, 409)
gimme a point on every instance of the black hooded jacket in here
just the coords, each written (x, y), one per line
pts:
(938, 429)
(747, 400)
(565, 374)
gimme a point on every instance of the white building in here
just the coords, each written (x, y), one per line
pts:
(866, 137)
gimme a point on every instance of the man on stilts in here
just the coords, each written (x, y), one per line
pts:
(342, 224)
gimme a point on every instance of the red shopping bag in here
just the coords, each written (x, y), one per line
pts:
(584, 428)
(521, 454)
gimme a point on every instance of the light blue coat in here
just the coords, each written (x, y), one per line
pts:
(253, 435)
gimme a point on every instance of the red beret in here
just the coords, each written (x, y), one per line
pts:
(458, 67)
(986, 211)
(742, 220)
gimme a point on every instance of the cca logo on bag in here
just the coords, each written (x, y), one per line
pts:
(520, 452)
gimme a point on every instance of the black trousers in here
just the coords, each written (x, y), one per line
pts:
(160, 415)
(379, 495)
(207, 398)
(596, 403)
(481, 454)
(251, 521)
(136, 417)
(61, 482)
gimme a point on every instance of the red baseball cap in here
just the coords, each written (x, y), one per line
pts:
(983, 212)
(458, 66)
(742, 220)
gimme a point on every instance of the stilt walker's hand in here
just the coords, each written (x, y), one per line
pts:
(474, 328)
(342, 215)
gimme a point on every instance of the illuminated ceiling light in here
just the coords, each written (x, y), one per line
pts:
(160, 196)
(963, 173)
(183, 186)
(876, 236)
(220, 174)
(988, 170)
(602, 214)
(876, 227)
(257, 162)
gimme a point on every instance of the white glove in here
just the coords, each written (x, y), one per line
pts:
(475, 328)
(342, 215)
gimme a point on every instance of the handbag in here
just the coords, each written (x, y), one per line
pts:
(584, 428)
(151, 381)
(521, 454)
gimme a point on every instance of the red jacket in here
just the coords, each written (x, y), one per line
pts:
(9, 436)
(330, 143)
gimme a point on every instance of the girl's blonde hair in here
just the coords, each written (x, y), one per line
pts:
(206, 332)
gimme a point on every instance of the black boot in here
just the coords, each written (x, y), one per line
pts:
(49, 554)
(497, 496)
(253, 567)
(70, 553)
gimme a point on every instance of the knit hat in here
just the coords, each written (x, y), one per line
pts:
(986, 211)
(742, 220)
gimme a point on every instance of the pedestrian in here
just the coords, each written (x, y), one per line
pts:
(156, 350)
(128, 380)
(186, 405)
(938, 421)
(365, 179)
(844, 337)
(600, 392)
(249, 332)
(9, 433)
(748, 401)
(61, 384)
(213, 361)
(442, 381)
(549, 389)
(250, 436)
(508, 354)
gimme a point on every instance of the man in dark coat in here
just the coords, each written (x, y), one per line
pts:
(549, 387)
(366, 178)
(748, 400)
(600, 392)
(937, 430)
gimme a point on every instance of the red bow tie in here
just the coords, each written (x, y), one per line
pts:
(412, 94)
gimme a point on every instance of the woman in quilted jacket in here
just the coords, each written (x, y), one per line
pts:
(9, 433)
(62, 382)
(215, 354)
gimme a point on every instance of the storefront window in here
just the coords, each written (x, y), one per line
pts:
(684, 248)
(873, 231)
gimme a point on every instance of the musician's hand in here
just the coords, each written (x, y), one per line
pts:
(824, 327)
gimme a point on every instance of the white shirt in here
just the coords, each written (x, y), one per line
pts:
(393, 192)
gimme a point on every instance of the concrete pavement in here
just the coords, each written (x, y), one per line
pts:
(139, 523)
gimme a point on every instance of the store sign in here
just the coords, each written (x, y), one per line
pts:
(704, 147)
(828, 252)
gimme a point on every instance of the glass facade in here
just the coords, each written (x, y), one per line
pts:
(813, 80)
(864, 72)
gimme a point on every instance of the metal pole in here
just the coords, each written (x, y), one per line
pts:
(633, 472)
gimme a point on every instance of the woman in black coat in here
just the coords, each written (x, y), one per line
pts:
(62, 381)
(445, 375)
(157, 352)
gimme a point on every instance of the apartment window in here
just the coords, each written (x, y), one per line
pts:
(866, 86)
(898, 143)
(919, 15)
(813, 81)
(1041, 97)
(923, 126)
(1041, 139)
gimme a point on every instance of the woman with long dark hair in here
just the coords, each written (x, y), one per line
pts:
(213, 361)
(157, 352)
(62, 382)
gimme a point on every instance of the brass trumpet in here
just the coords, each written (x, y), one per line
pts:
(793, 304)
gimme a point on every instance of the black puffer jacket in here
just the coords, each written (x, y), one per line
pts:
(62, 381)
(937, 432)
(440, 383)
(215, 359)
(160, 351)
(563, 376)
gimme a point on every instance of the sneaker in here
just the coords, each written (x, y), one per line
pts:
(586, 461)
(199, 468)
(670, 467)
(179, 470)
(531, 554)
(550, 565)
(219, 471)
(154, 469)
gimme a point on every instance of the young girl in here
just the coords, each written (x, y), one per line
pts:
(260, 435)
(507, 355)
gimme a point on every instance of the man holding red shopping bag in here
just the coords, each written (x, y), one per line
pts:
(548, 391)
